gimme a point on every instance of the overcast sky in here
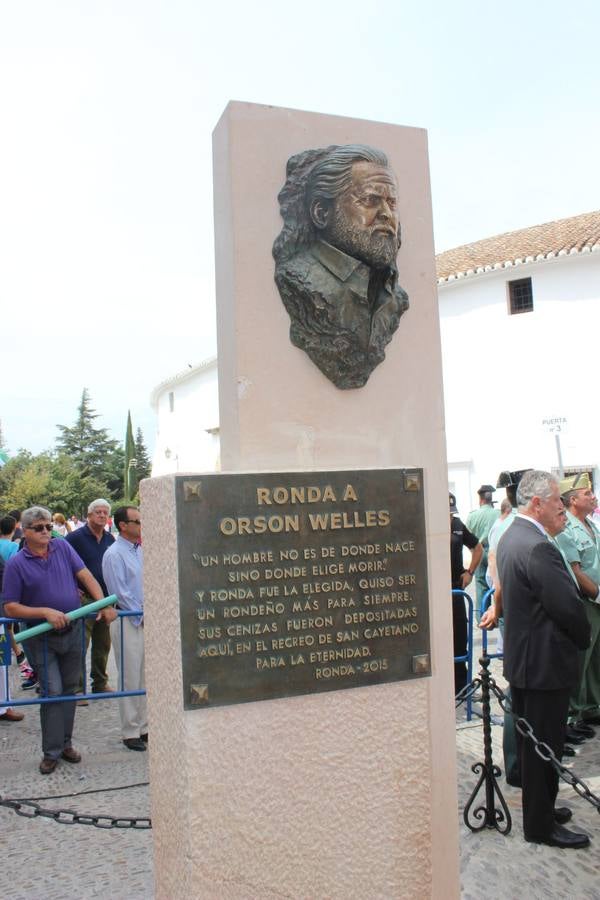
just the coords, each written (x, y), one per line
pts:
(107, 110)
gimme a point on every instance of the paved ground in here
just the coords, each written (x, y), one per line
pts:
(42, 860)
(505, 868)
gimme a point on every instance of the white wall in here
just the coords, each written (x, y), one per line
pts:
(504, 373)
(183, 441)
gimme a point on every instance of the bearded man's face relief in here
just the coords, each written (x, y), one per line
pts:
(364, 219)
(335, 259)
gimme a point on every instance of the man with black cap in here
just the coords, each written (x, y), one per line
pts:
(580, 545)
(460, 537)
(479, 521)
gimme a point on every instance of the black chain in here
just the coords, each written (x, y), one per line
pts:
(543, 750)
(31, 810)
(467, 692)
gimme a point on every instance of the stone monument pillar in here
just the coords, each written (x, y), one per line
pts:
(351, 792)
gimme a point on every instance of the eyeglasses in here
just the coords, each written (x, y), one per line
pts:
(40, 528)
(134, 521)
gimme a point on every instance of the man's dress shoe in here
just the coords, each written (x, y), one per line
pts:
(134, 743)
(11, 715)
(573, 737)
(563, 838)
(71, 755)
(569, 751)
(592, 720)
(48, 765)
(562, 814)
(583, 729)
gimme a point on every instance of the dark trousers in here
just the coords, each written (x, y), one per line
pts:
(59, 670)
(512, 769)
(459, 627)
(99, 634)
(546, 712)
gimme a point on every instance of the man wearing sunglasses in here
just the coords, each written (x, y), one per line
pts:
(42, 583)
(122, 567)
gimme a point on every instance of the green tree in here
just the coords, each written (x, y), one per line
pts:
(144, 466)
(130, 462)
(113, 474)
(24, 480)
(49, 479)
(68, 491)
(89, 447)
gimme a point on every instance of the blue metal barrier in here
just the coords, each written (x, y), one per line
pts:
(486, 601)
(469, 655)
(43, 698)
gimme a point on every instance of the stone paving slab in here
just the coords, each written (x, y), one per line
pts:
(60, 862)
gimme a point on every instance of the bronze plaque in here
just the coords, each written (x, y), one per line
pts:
(297, 583)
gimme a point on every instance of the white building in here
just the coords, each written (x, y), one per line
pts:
(187, 421)
(519, 316)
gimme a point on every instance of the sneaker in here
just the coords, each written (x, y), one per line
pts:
(29, 683)
(26, 670)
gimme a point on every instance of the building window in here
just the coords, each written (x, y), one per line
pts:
(520, 296)
(171, 401)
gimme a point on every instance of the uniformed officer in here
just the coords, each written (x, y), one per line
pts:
(580, 544)
(479, 521)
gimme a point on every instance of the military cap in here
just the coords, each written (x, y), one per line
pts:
(508, 479)
(578, 482)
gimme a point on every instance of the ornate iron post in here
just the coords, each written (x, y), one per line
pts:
(489, 815)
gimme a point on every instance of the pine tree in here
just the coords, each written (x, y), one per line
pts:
(89, 448)
(129, 471)
(144, 466)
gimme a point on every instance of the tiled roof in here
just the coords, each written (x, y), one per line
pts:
(578, 234)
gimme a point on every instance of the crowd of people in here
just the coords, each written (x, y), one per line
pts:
(540, 554)
(51, 567)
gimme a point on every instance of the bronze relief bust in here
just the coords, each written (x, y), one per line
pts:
(335, 259)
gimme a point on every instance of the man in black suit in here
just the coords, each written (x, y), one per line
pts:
(544, 627)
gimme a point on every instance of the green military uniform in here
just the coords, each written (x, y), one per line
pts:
(479, 522)
(580, 546)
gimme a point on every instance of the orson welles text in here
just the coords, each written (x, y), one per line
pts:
(275, 523)
(300, 583)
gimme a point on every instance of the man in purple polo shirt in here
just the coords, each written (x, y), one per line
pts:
(41, 582)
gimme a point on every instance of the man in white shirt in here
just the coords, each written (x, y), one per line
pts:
(122, 567)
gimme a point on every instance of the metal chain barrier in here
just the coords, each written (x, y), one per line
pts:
(494, 812)
(31, 810)
(468, 691)
(544, 751)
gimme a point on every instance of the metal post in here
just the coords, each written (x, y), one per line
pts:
(488, 816)
(561, 470)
